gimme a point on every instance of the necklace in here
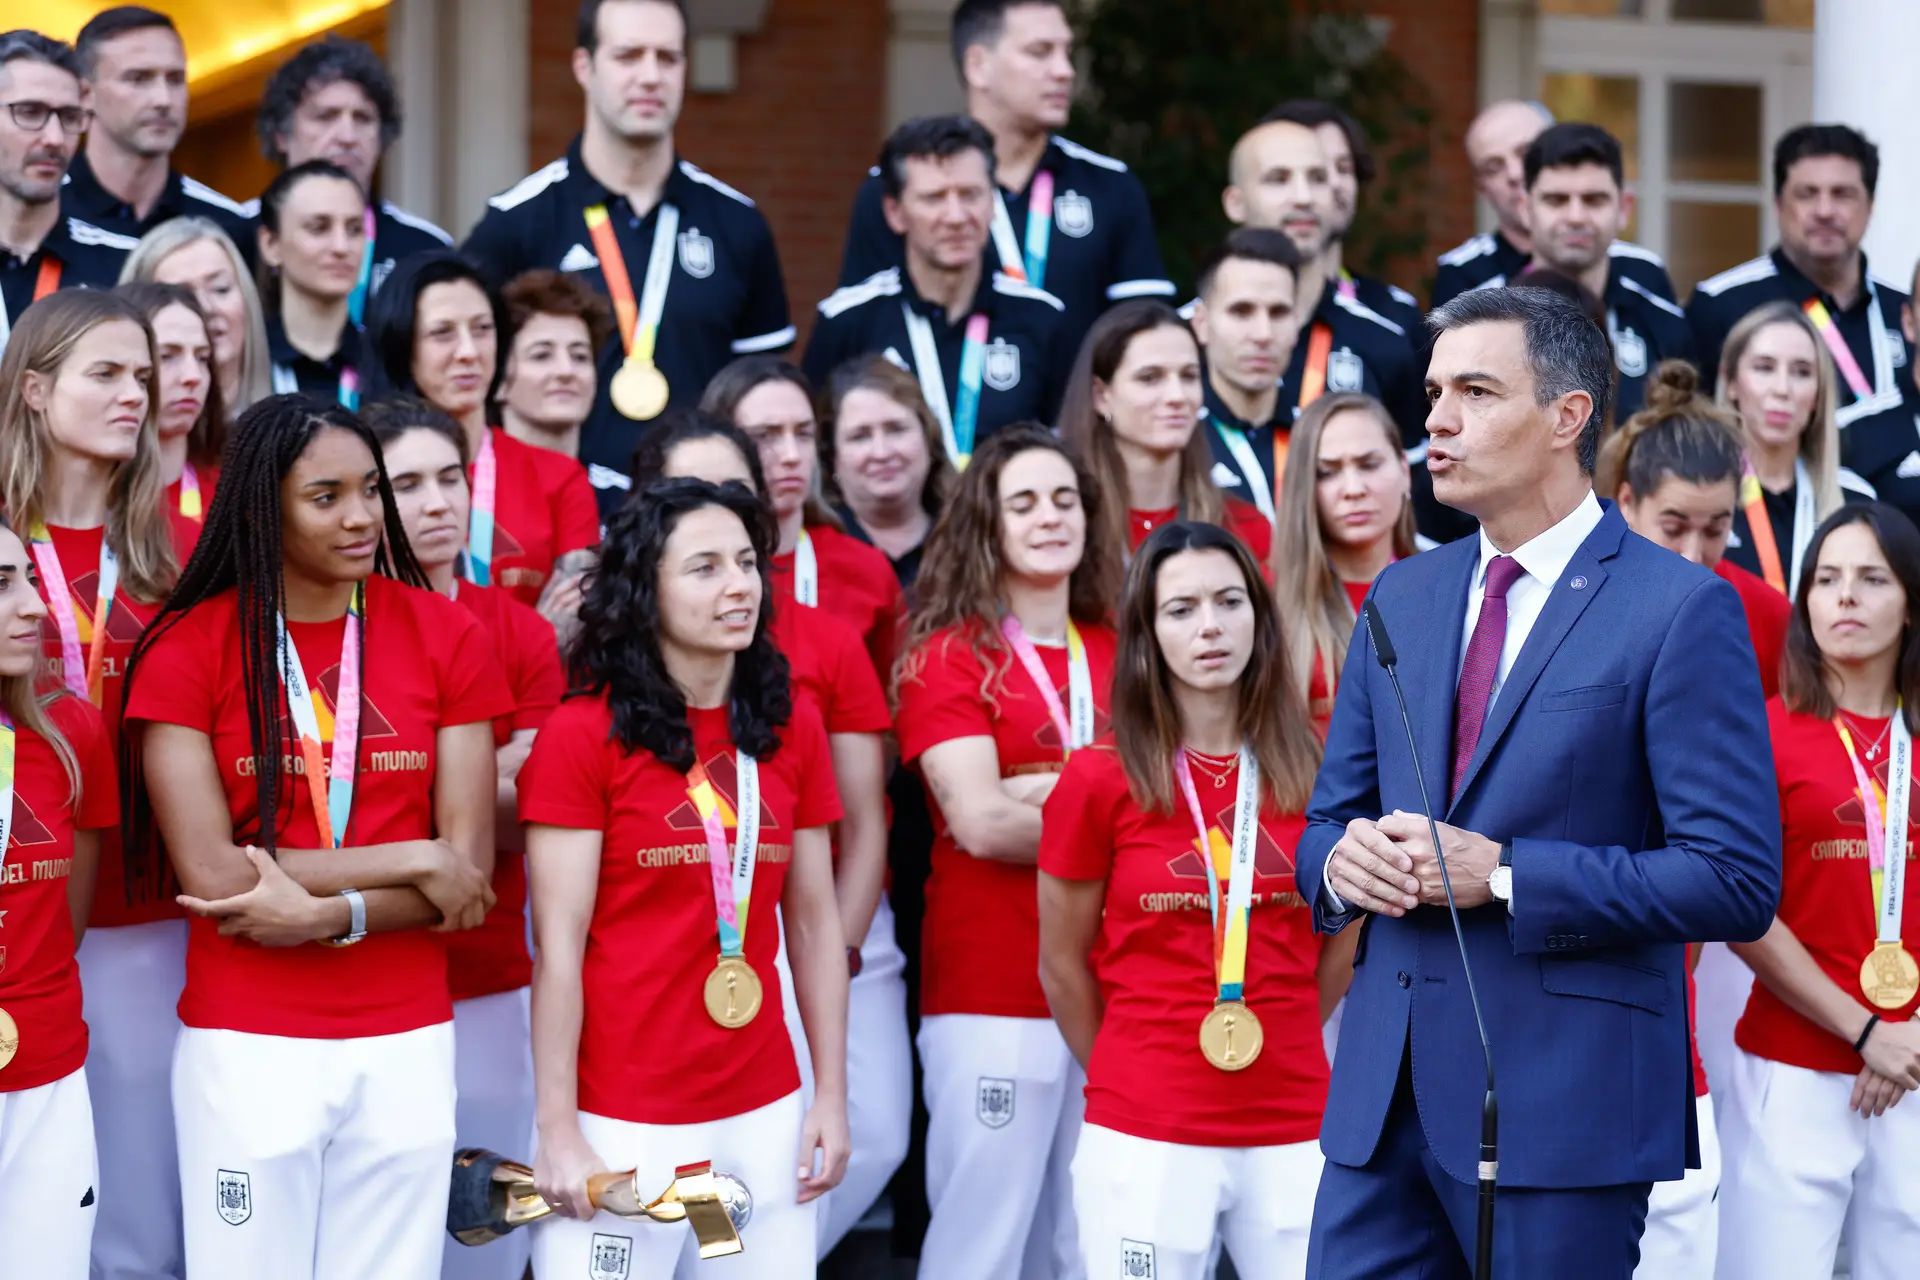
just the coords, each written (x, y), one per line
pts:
(1873, 748)
(1218, 770)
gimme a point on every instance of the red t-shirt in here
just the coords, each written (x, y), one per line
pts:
(493, 958)
(39, 981)
(543, 508)
(428, 665)
(209, 478)
(980, 943)
(1324, 680)
(1243, 520)
(1768, 613)
(830, 665)
(79, 552)
(857, 585)
(649, 1053)
(1154, 959)
(1826, 889)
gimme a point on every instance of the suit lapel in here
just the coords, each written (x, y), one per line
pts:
(1436, 666)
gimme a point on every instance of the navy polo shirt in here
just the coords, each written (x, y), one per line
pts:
(1645, 329)
(86, 256)
(182, 197)
(1489, 261)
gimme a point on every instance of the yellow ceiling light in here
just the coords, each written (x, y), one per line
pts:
(219, 34)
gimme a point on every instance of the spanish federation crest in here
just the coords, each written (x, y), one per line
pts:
(1001, 370)
(611, 1257)
(1345, 372)
(233, 1196)
(1073, 214)
(1136, 1260)
(696, 254)
(1629, 353)
(994, 1104)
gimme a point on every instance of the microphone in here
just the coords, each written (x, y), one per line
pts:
(1490, 1110)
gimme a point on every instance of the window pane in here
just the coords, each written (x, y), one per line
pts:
(1592, 8)
(1612, 102)
(1772, 13)
(1705, 239)
(1713, 132)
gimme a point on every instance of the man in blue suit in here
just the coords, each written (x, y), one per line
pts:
(1592, 730)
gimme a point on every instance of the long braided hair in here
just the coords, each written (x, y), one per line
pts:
(240, 550)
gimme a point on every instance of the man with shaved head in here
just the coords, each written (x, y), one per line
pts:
(1497, 143)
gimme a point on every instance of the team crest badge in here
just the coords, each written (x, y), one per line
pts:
(233, 1197)
(1630, 353)
(696, 253)
(1345, 372)
(1136, 1260)
(611, 1257)
(1073, 214)
(1002, 367)
(3, 959)
(994, 1105)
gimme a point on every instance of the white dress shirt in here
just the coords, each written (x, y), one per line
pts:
(1543, 558)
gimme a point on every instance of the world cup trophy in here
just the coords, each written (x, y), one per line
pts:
(493, 1195)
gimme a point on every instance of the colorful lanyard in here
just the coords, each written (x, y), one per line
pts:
(1313, 378)
(639, 322)
(958, 421)
(732, 872)
(363, 284)
(486, 480)
(1829, 331)
(1753, 503)
(286, 382)
(1075, 727)
(806, 572)
(190, 504)
(44, 283)
(329, 783)
(1346, 286)
(1031, 265)
(1229, 926)
(1241, 447)
(8, 742)
(1886, 822)
(81, 677)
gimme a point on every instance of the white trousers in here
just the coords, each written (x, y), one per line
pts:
(759, 1147)
(1004, 1102)
(1683, 1216)
(493, 1070)
(1722, 982)
(48, 1180)
(1162, 1209)
(131, 978)
(879, 1075)
(1800, 1167)
(314, 1159)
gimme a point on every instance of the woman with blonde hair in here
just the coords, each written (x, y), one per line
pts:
(1776, 375)
(1341, 521)
(882, 460)
(196, 253)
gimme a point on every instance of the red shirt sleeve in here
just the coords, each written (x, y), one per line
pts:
(473, 687)
(941, 699)
(1076, 833)
(858, 703)
(567, 778)
(86, 733)
(816, 794)
(174, 683)
(576, 515)
(537, 681)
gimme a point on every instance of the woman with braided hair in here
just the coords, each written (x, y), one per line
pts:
(312, 737)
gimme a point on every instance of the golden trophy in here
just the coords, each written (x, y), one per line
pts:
(493, 1195)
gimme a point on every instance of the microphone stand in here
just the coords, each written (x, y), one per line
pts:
(1489, 1170)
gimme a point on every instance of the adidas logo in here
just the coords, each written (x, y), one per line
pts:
(579, 258)
(1909, 466)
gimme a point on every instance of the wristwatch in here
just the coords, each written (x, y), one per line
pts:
(1500, 880)
(356, 920)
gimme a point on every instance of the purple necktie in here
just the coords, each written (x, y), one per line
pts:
(1482, 665)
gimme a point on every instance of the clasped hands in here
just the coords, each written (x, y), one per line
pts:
(1389, 866)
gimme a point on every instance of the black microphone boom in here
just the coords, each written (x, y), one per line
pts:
(1490, 1111)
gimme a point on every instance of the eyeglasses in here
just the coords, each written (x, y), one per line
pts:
(33, 117)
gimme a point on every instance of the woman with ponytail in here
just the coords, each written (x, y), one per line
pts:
(312, 738)
(189, 415)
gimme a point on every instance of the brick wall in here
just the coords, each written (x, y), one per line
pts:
(797, 135)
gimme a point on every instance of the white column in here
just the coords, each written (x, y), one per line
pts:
(410, 171)
(1509, 66)
(921, 80)
(485, 134)
(1864, 55)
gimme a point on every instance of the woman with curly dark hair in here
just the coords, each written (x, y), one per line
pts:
(672, 803)
(311, 734)
(1009, 655)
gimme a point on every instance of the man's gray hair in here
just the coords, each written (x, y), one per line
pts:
(30, 46)
(1566, 351)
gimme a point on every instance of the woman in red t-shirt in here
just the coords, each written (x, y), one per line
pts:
(189, 416)
(313, 1083)
(819, 564)
(1342, 520)
(58, 796)
(1009, 657)
(434, 329)
(488, 969)
(1132, 410)
(830, 667)
(1818, 1129)
(671, 808)
(83, 489)
(1166, 861)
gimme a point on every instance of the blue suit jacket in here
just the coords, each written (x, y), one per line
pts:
(1627, 759)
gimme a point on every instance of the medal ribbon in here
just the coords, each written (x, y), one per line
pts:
(732, 873)
(1886, 815)
(363, 285)
(330, 786)
(806, 572)
(1075, 726)
(7, 745)
(1842, 354)
(190, 505)
(1030, 265)
(1229, 926)
(958, 420)
(486, 480)
(1760, 526)
(44, 283)
(639, 325)
(83, 677)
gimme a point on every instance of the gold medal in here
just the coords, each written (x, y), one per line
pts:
(733, 993)
(1889, 978)
(639, 390)
(1230, 1036)
(9, 1039)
